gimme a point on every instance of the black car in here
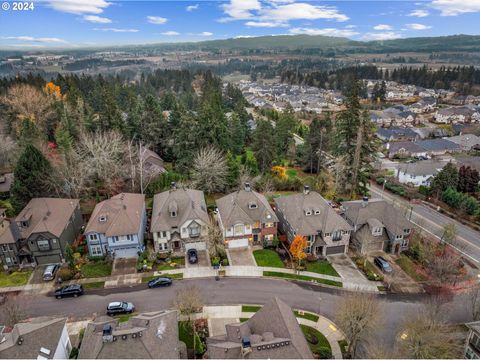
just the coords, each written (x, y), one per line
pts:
(120, 307)
(159, 282)
(383, 264)
(69, 290)
(192, 256)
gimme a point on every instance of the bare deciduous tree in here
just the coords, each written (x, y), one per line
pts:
(357, 315)
(8, 151)
(215, 240)
(13, 309)
(210, 171)
(427, 335)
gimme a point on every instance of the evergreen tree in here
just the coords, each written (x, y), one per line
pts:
(284, 128)
(316, 141)
(264, 144)
(31, 175)
(446, 178)
(237, 134)
(185, 141)
(233, 170)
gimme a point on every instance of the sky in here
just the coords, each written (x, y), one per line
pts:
(87, 23)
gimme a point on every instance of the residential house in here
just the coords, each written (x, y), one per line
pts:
(152, 163)
(271, 333)
(245, 217)
(8, 242)
(179, 220)
(396, 134)
(310, 215)
(46, 226)
(377, 226)
(430, 132)
(472, 345)
(453, 115)
(420, 172)
(40, 338)
(469, 161)
(117, 226)
(426, 105)
(152, 335)
(6, 182)
(467, 141)
(402, 149)
(438, 146)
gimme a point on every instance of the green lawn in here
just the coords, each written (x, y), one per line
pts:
(250, 308)
(94, 269)
(302, 277)
(321, 267)
(268, 257)
(318, 342)
(408, 266)
(124, 317)
(94, 285)
(242, 320)
(308, 316)
(179, 261)
(14, 279)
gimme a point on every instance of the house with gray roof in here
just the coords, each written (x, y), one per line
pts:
(271, 333)
(6, 181)
(179, 220)
(152, 335)
(438, 146)
(420, 172)
(40, 338)
(466, 141)
(377, 225)
(308, 214)
(152, 162)
(8, 242)
(245, 217)
(46, 226)
(403, 149)
(394, 134)
(117, 226)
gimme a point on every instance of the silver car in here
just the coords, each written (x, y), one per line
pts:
(50, 271)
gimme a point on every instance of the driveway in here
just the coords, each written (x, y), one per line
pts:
(243, 257)
(124, 266)
(203, 260)
(37, 276)
(351, 276)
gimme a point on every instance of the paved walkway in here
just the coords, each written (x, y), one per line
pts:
(352, 278)
(219, 316)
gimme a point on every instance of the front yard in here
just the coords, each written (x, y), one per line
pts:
(17, 278)
(409, 267)
(97, 268)
(269, 258)
(321, 267)
(318, 343)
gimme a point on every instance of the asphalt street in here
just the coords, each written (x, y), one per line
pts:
(299, 295)
(468, 240)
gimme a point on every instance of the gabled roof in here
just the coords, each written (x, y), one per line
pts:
(235, 208)
(437, 144)
(46, 215)
(7, 233)
(190, 205)
(37, 333)
(423, 168)
(119, 215)
(151, 335)
(294, 206)
(409, 146)
(359, 213)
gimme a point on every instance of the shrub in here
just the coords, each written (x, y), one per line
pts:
(380, 180)
(215, 261)
(95, 258)
(325, 353)
(225, 262)
(65, 274)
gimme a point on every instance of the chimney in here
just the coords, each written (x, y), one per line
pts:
(364, 201)
(107, 333)
(306, 189)
(247, 186)
(173, 185)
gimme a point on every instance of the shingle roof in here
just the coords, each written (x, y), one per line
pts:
(359, 214)
(294, 206)
(121, 215)
(37, 333)
(47, 215)
(396, 133)
(408, 146)
(190, 205)
(466, 140)
(6, 181)
(151, 335)
(437, 144)
(273, 323)
(423, 168)
(7, 235)
(234, 207)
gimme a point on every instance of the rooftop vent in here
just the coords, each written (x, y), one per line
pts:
(102, 218)
(306, 189)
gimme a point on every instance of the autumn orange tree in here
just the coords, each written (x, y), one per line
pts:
(298, 247)
(280, 172)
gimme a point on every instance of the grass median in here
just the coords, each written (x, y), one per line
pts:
(302, 277)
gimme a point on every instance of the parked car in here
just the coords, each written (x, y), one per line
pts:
(383, 264)
(50, 271)
(159, 282)
(192, 256)
(120, 307)
(69, 290)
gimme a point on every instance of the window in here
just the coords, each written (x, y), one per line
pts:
(43, 245)
(475, 341)
(194, 229)
(129, 237)
(4, 247)
(269, 225)
(114, 238)
(406, 231)
(102, 218)
(96, 250)
(399, 237)
(163, 246)
(326, 235)
(377, 231)
(317, 212)
(173, 214)
(252, 205)
(10, 247)
(93, 237)
(337, 235)
(8, 261)
(164, 234)
(308, 212)
(239, 229)
(404, 243)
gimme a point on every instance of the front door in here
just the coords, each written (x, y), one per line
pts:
(176, 245)
(255, 238)
(397, 248)
(319, 251)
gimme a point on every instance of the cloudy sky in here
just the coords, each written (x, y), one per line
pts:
(74, 23)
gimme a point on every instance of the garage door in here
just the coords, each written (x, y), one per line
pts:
(336, 250)
(48, 259)
(126, 252)
(198, 245)
(239, 243)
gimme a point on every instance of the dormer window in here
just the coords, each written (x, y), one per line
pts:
(24, 224)
(252, 205)
(377, 231)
